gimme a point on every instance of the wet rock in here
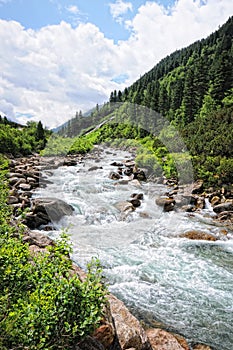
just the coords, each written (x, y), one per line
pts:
(118, 164)
(161, 201)
(20, 181)
(167, 203)
(25, 187)
(128, 171)
(162, 340)
(93, 168)
(129, 332)
(33, 221)
(38, 239)
(123, 182)
(197, 187)
(114, 176)
(225, 215)
(215, 200)
(137, 195)
(136, 202)
(12, 200)
(70, 162)
(198, 235)
(140, 175)
(130, 163)
(227, 206)
(201, 347)
(200, 203)
(188, 208)
(31, 180)
(54, 208)
(136, 183)
(124, 206)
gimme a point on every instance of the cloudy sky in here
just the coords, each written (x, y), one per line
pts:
(60, 56)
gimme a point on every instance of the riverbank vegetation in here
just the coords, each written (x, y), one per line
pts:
(43, 305)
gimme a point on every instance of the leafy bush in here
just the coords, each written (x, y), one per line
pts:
(43, 305)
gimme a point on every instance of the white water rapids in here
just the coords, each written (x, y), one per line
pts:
(184, 284)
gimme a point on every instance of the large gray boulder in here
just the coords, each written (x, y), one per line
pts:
(54, 208)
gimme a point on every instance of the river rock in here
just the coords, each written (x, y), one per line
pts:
(54, 208)
(130, 163)
(140, 175)
(128, 171)
(197, 187)
(38, 239)
(129, 332)
(93, 168)
(137, 195)
(25, 187)
(227, 206)
(201, 347)
(136, 202)
(114, 176)
(162, 340)
(70, 162)
(34, 221)
(118, 164)
(135, 183)
(215, 200)
(12, 200)
(167, 203)
(124, 206)
(198, 235)
(161, 201)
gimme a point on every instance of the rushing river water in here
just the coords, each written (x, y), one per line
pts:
(184, 284)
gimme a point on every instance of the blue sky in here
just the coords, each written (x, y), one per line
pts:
(60, 56)
(35, 14)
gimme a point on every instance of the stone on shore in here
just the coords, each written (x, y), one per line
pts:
(227, 206)
(129, 332)
(162, 340)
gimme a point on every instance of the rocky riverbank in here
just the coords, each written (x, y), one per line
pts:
(119, 329)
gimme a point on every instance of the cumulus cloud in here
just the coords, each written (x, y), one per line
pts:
(119, 8)
(55, 71)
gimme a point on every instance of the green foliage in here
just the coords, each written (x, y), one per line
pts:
(58, 145)
(20, 140)
(43, 305)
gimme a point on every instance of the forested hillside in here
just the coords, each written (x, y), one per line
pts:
(190, 82)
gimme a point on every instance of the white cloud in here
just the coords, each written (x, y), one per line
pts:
(73, 9)
(55, 71)
(119, 8)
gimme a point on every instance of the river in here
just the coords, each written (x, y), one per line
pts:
(186, 285)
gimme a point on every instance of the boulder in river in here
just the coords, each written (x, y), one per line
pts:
(167, 203)
(114, 176)
(198, 235)
(54, 208)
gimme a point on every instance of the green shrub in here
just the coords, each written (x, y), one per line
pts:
(43, 305)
